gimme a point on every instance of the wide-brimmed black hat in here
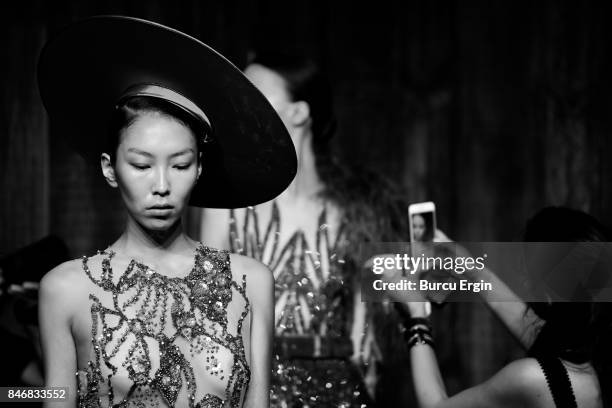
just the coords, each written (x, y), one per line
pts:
(86, 69)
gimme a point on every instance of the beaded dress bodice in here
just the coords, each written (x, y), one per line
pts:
(310, 295)
(167, 342)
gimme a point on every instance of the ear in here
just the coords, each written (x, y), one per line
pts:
(108, 170)
(199, 166)
(300, 113)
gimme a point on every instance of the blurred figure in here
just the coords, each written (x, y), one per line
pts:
(418, 228)
(325, 341)
(569, 343)
(20, 272)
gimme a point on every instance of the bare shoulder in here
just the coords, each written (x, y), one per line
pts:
(521, 382)
(525, 372)
(62, 289)
(62, 278)
(259, 278)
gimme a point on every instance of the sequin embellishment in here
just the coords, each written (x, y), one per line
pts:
(307, 306)
(165, 337)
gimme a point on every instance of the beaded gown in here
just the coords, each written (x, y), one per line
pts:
(166, 342)
(313, 310)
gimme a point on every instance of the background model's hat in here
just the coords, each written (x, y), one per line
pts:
(94, 64)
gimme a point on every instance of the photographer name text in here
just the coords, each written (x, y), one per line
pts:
(423, 285)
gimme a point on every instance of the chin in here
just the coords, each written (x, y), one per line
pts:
(159, 224)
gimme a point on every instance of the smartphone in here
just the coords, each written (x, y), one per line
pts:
(422, 221)
(422, 217)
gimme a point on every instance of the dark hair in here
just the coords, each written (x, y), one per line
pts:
(577, 332)
(128, 111)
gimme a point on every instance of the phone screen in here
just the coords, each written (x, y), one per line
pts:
(422, 218)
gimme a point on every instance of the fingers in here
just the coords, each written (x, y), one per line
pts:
(440, 236)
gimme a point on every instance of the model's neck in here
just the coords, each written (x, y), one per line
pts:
(140, 242)
(307, 183)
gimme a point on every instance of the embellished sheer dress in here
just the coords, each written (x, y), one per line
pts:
(314, 288)
(166, 342)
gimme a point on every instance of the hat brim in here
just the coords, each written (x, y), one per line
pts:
(85, 69)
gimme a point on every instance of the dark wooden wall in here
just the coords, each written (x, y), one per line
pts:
(491, 109)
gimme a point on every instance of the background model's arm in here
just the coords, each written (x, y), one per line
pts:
(260, 291)
(366, 352)
(59, 354)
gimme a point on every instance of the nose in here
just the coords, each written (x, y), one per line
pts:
(161, 185)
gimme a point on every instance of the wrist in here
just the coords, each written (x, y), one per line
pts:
(417, 331)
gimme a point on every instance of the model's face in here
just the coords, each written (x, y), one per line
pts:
(418, 227)
(156, 168)
(274, 88)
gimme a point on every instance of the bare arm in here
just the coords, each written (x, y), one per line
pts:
(365, 348)
(59, 353)
(518, 317)
(260, 291)
(214, 229)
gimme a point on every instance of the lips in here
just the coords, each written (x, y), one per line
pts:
(161, 207)
(160, 210)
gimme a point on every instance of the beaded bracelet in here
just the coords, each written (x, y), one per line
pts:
(420, 338)
(418, 332)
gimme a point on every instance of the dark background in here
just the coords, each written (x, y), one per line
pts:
(491, 109)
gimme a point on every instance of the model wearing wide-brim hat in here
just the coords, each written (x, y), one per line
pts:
(92, 65)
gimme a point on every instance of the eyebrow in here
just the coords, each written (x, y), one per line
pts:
(147, 154)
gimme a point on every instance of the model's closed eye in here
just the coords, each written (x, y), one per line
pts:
(140, 166)
(184, 166)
